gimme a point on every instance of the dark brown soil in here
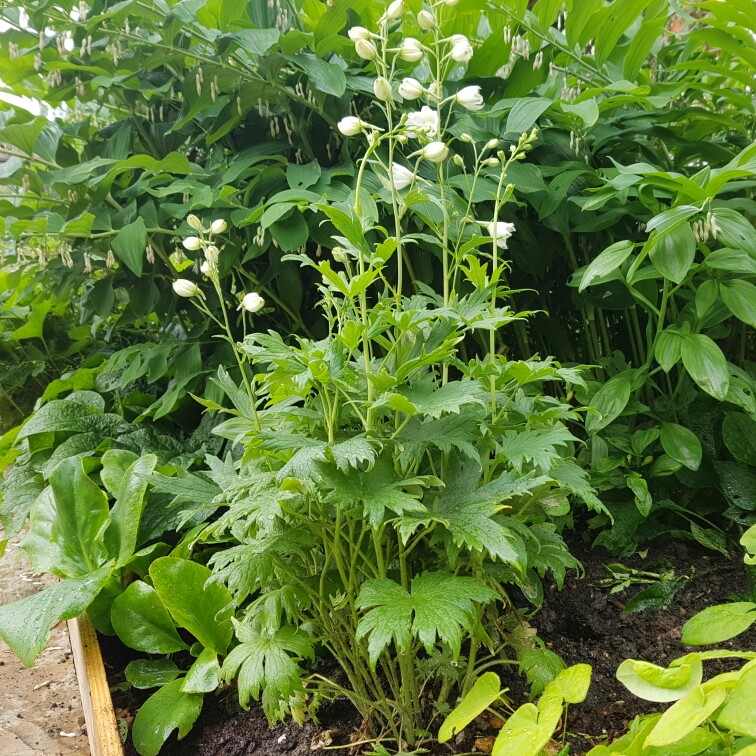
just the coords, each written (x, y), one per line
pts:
(582, 623)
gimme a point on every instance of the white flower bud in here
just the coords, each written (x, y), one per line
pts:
(492, 161)
(382, 89)
(252, 302)
(450, 3)
(410, 50)
(436, 152)
(470, 98)
(426, 20)
(395, 9)
(401, 176)
(212, 254)
(339, 254)
(465, 137)
(492, 144)
(459, 161)
(207, 268)
(194, 222)
(192, 243)
(366, 49)
(185, 288)
(218, 226)
(462, 51)
(359, 32)
(410, 89)
(351, 125)
(501, 231)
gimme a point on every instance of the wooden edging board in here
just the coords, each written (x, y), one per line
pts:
(102, 728)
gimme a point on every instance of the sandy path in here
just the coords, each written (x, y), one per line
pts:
(37, 705)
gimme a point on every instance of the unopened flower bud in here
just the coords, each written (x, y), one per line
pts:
(358, 32)
(212, 254)
(194, 222)
(410, 50)
(185, 288)
(207, 268)
(218, 226)
(382, 89)
(351, 125)
(465, 137)
(410, 89)
(492, 161)
(366, 49)
(426, 20)
(395, 9)
(459, 161)
(252, 302)
(462, 52)
(339, 254)
(435, 152)
(470, 98)
(492, 144)
(192, 243)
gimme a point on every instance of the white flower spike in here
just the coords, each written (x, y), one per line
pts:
(185, 288)
(401, 176)
(501, 231)
(252, 302)
(470, 98)
(410, 89)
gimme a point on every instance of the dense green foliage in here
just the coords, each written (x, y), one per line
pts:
(440, 298)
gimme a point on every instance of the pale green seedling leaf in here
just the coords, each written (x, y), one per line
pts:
(685, 715)
(522, 734)
(483, 693)
(719, 623)
(738, 715)
(661, 684)
(573, 683)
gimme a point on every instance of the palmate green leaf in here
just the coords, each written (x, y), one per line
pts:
(352, 453)
(439, 607)
(163, 712)
(376, 490)
(268, 663)
(25, 624)
(428, 399)
(448, 432)
(534, 447)
(706, 363)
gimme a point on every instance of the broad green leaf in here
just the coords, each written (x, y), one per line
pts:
(661, 684)
(748, 542)
(637, 484)
(81, 519)
(673, 251)
(204, 674)
(143, 623)
(738, 715)
(126, 514)
(608, 262)
(324, 77)
(115, 463)
(439, 606)
(706, 295)
(525, 113)
(25, 624)
(58, 415)
(734, 230)
(735, 260)
(522, 734)
(151, 673)
(163, 712)
(130, 244)
(719, 623)
(682, 445)
(484, 692)
(668, 349)
(685, 715)
(254, 41)
(609, 402)
(740, 298)
(586, 110)
(739, 435)
(203, 608)
(706, 363)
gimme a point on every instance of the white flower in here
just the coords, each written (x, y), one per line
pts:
(402, 177)
(395, 9)
(366, 49)
(218, 226)
(359, 32)
(252, 302)
(450, 3)
(426, 20)
(410, 50)
(382, 89)
(410, 89)
(351, 125)
(423, 121)
(192, 243)
(207, 268)
(212, 253)
(436, 152)
(501, 231)
(470, 98)
(461, 51)
(194, 222)
(185, 288)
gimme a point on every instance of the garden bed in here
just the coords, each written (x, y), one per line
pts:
(583, 623)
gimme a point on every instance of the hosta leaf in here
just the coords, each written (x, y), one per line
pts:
(719, 623)
(484, 692)
(439, 606)
(685, 715)
(268, 662)
(661, 684)
(163, 712)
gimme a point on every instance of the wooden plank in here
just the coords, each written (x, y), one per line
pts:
(102, 728)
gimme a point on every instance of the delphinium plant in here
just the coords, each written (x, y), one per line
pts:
(396, 476)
